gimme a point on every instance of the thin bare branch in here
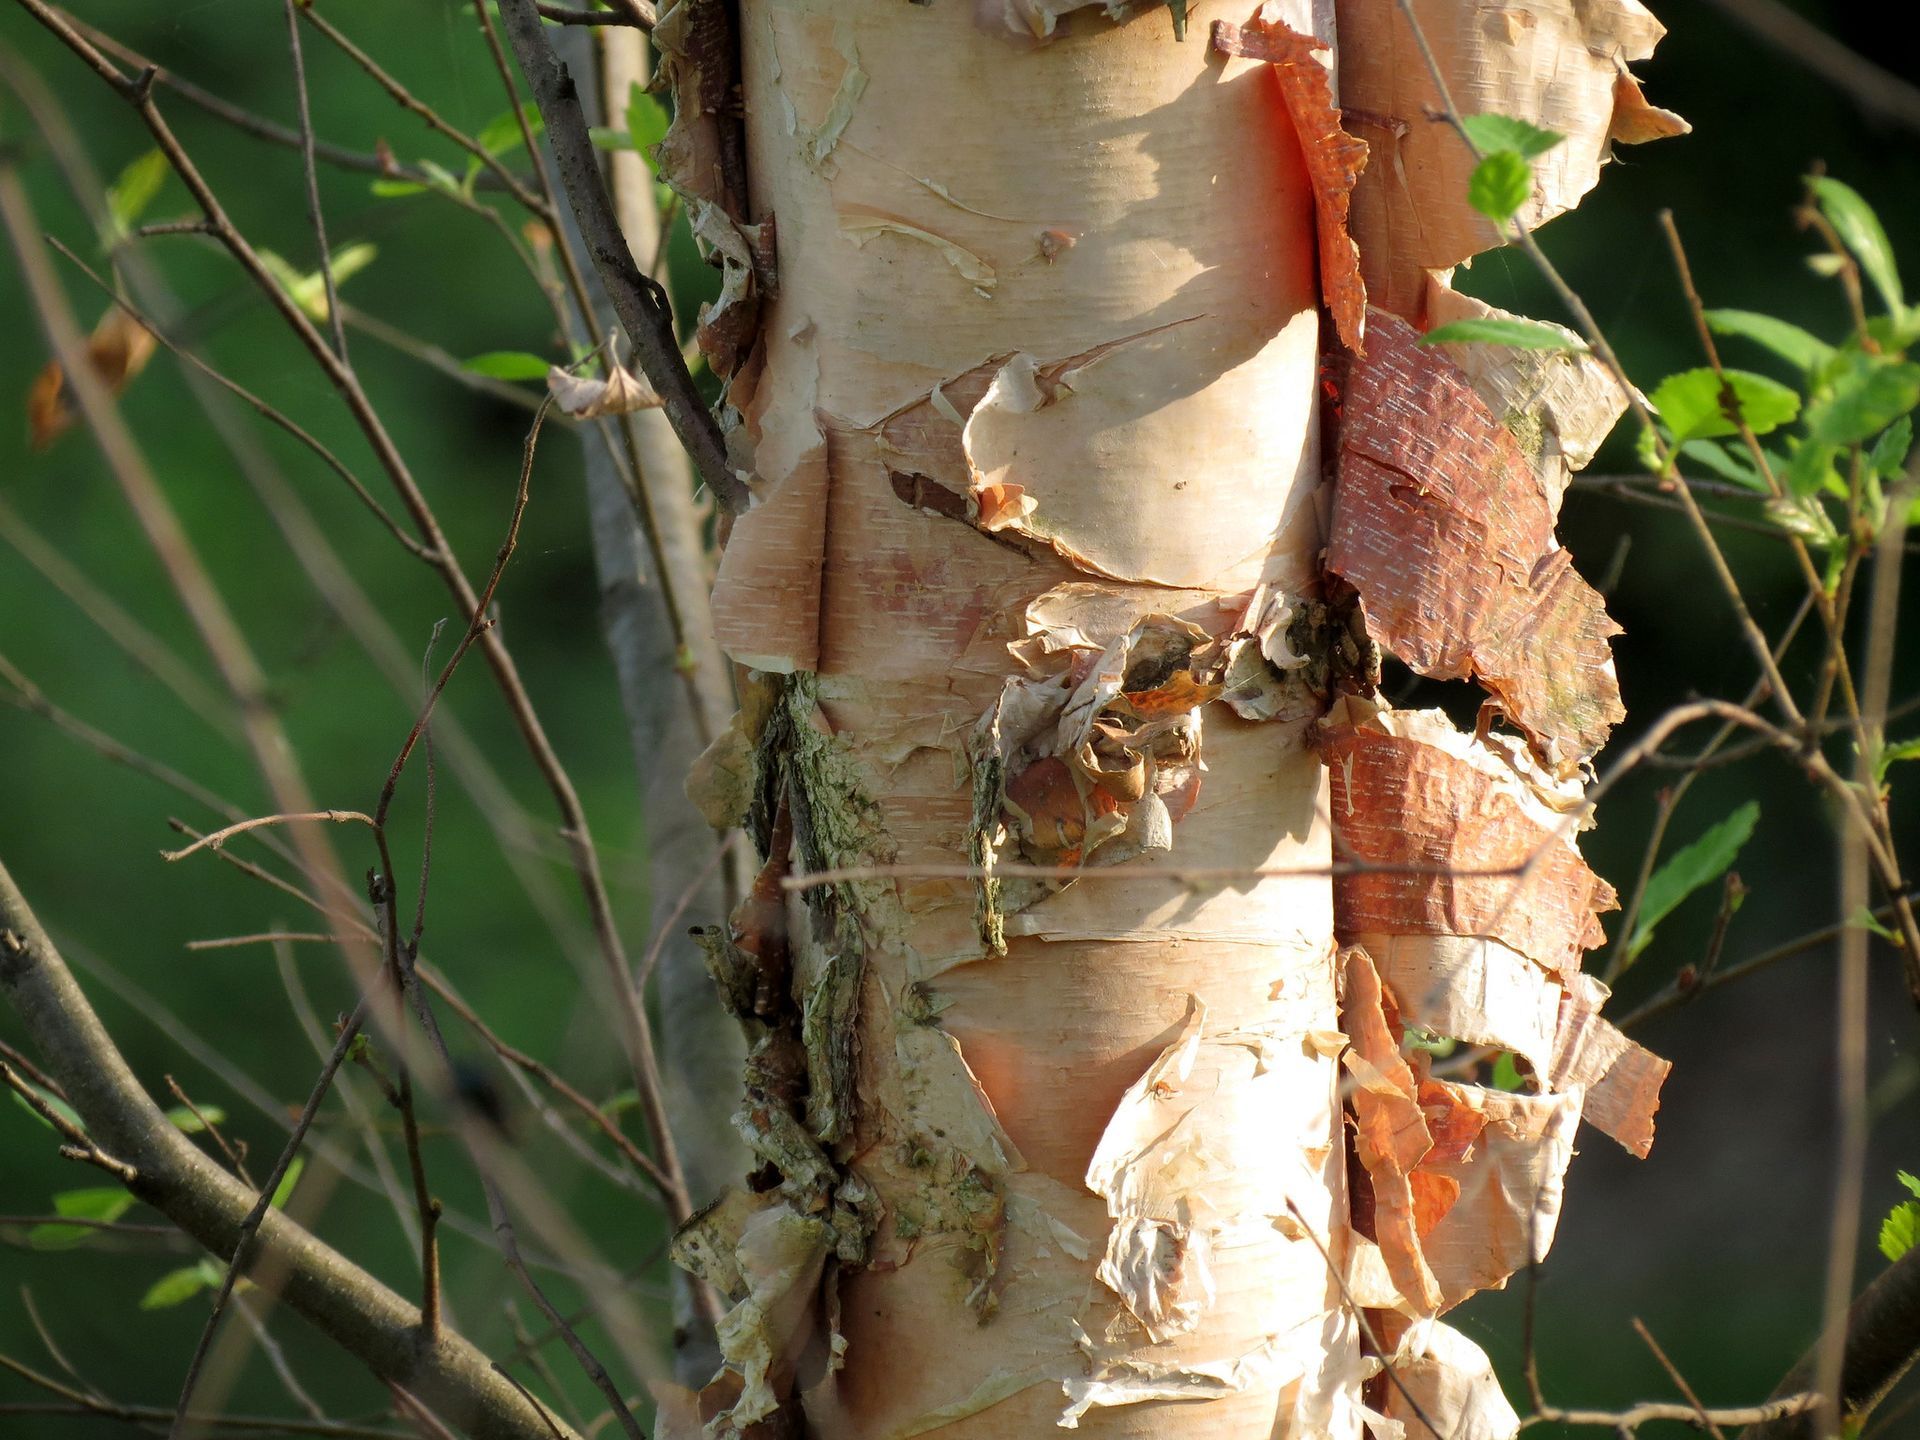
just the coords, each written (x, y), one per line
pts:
(635, 13)
(346, 1303)
(641, 303)
(316, 216)
(220, 837)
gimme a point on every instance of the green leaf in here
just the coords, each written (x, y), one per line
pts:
(1698, 864)
(1809, 470)
(508, 365)
(1520, 334)
(1506, 1073)
(1179, 9)
(176, 1287)
(1900, 1231)
(1717, 458)
(1493, 133)
(1891, 755)
(1803, 516)
(1437, 1045)
(54, 1103)
(1787, 340)
(1866, 395)
(1861, 232)
(1912, 1182)
(1689, 403)
(1889, 454)
(647, 122)
(502, 133)
(1500, 185)
(309, 292)
(105, 1203)
(284, 1190)
(1863, 919)
(394, 189)
(1644, 449)
(188, 1123)
(133, 191)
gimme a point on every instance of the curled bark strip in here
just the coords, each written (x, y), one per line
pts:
(1466, 1182)
(1391, 1137)
(1499, 868)
(1334, 158)
(1443, 527)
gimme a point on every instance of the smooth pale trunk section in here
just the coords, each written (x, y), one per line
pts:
(945, 199)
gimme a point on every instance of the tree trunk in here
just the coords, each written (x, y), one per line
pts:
(1042, 981)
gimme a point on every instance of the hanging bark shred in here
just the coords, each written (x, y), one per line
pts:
(1478, 916)
(1334, 158)
(1443, 526)
(702, 156)
(1559, 404)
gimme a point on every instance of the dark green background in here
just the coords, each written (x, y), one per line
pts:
(1717, 1241)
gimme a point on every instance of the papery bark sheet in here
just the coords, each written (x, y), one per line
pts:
(1558, 64)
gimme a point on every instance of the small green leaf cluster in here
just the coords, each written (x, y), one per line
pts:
(496, 138)
(1900, 1231)
(1850, 407)
(646, 126)
(1502, 181)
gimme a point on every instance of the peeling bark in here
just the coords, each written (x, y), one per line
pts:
(1033, 580)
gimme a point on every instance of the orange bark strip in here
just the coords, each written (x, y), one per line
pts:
(1400, 802)
(1392, 1135)
(1445, 529)
(1334, 158)
(1623, 1079)
(1508, 1182)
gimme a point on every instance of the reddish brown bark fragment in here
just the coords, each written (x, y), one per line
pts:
(1398, 802)
(1442, 525)
(1334, 158)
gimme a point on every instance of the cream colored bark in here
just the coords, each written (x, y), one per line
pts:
(1075, 281)
(1033, 581)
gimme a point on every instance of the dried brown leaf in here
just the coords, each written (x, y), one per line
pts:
(587, 398)
(117, 351)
